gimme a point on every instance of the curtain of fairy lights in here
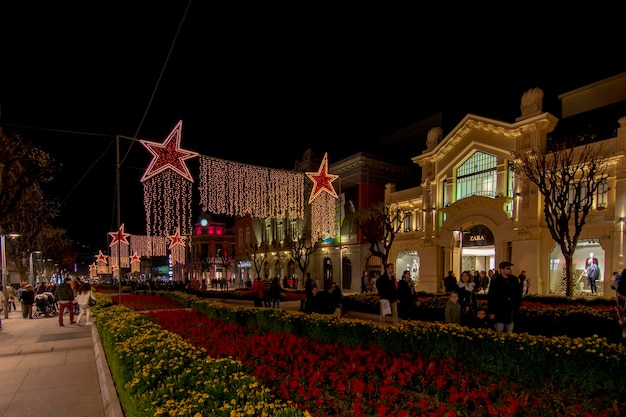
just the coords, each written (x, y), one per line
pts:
(121, 253)
(238, 189)
(323, 217)
(149, 245)
(167, 201)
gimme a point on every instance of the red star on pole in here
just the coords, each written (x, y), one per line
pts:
(168, 155)
(134, 258)
(119, 236)
(176, 239)
(101, 257)
(322, 180)
(93, 267)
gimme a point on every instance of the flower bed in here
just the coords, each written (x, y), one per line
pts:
(305, 362)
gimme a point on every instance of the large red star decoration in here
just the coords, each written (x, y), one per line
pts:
(322, 180)
(101, 257)
(134, 258)
(168, 155)
(176, 239)
(119, 236)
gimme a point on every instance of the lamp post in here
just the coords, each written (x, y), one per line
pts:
(4, 270)
(31, 276)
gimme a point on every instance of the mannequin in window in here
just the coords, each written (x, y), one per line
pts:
(593, 272)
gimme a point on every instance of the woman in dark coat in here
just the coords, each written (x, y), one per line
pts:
(407, 297)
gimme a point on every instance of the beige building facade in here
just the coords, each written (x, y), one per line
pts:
(471, 211)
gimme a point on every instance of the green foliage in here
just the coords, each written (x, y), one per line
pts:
(158, 373)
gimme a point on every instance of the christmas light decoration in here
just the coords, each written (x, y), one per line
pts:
(101, 257)
(119, 236)
(323, 217)
(93, 270)
(148, 245)
(168, 155)
(135, 263)
(167, 186)
(176, 239)
(101, 262)
(238, 189)
(177, 247)
(322, 180)
(118, 251)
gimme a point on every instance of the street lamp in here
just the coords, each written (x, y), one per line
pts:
(3, 252)
(31, 276)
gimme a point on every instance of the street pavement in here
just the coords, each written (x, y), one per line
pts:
(52, 371)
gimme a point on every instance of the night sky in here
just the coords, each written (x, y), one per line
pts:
(277, 79)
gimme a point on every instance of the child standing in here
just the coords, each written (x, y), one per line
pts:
(482, 320)
(453, 309)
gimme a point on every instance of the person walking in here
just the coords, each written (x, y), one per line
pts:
(28, 299)
(364, 282)
(388, 291)
(11, 298)
(258, 292)
(65, 298)
(504, 298)
(82, 299)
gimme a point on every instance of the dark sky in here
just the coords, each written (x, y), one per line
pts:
(261, 84)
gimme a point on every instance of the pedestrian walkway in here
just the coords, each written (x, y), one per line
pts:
(52, 371)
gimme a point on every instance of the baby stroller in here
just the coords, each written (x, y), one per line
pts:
(45, 305)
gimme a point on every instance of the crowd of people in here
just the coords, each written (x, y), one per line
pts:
(71, 295)
(398, 298)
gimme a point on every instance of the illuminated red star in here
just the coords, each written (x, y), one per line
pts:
(176, 239)
(322, 180)
(93, 267)
(119, 236)
(134, 258)
(101, 257)
(168, 155)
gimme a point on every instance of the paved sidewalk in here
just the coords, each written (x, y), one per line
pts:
(52, 371)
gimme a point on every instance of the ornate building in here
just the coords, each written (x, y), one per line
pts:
(212, 251)
(471, 210)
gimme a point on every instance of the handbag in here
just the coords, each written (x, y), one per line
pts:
(92, 302)
(385, 307)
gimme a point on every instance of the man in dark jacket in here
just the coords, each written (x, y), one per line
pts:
(387, 291)
(504, 299)
(28, 299)
(64, 295)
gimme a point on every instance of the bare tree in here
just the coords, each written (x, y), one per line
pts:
(302, 249)
(568, 178)
(379, 225)
(257, 255)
